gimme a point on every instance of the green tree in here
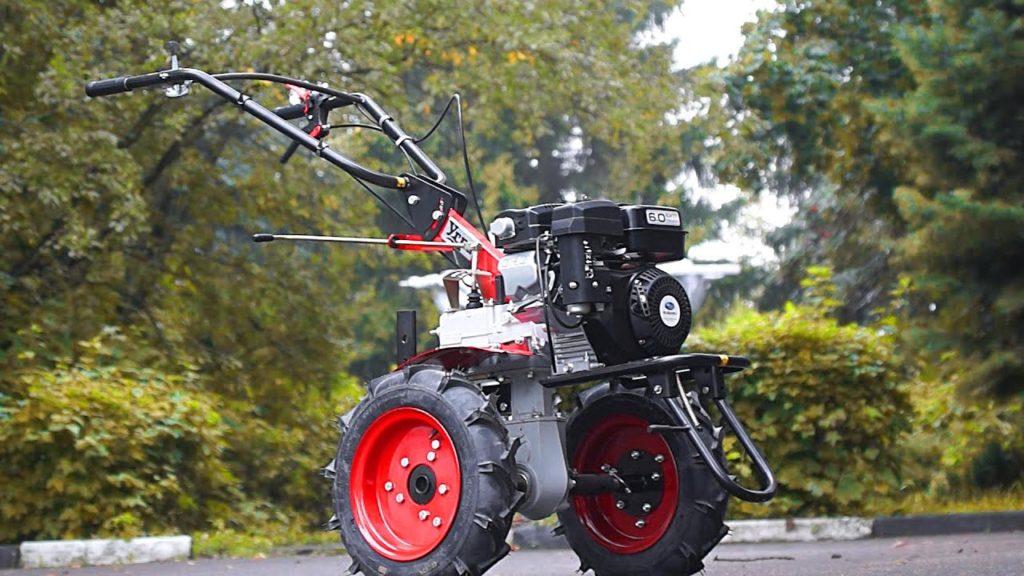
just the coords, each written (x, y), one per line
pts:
(959, 134)
(134, 211)
(794, 118)
(895, 127)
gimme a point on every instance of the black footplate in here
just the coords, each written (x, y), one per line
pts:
(663, 376)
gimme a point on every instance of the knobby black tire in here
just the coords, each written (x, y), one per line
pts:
(486, 454)
(698, 524)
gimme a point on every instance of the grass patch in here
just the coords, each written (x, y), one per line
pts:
(230, 543)
(963, 502)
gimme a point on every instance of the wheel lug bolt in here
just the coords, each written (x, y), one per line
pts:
(424, 514)
(656, 476)
(404, 462)
(443, 489)
(646, 507)
(400, 498)
(640, 524)
(659, 458)
(620, 504)
(635, 454)
(436, 521)
(431, 456)
(388, 486)
(435, 444)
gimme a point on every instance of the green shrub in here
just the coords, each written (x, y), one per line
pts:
(91, 449)
(961, 443)
(827, 404)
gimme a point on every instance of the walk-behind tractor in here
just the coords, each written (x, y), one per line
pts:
(440, 455)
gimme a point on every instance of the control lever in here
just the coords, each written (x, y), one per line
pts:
(317, 127)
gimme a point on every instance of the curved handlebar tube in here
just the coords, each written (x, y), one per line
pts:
(280, 121)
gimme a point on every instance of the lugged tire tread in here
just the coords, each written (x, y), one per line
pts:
(710, 502)
(484, 546)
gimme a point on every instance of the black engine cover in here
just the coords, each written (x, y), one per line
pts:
(650, 316)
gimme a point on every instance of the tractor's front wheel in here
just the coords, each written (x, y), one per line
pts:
(664, 528)
(424, 479)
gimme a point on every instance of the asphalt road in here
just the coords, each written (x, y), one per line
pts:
(964, 555)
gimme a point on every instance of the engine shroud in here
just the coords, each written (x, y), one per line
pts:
(650, 316)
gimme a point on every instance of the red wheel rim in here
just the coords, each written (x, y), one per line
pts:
(612, 440)
(405, 484)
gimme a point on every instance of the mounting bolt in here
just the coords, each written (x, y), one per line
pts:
(640, 524)
(705, 390)
(404, 462)
(595, 284)
(437, 215)
(388, 486)
(424, 514)
(443, 489)
(400, 498)
(436, 521)
(620, 504)
(635, 454)
(435, 444)
(413, 200)
(656, 476)
(431, 456)
(646, 507)
(658, 388)
(659, 458)
(503, 406)
(573, 285)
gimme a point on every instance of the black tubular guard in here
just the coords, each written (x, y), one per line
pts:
(280, 122)
(662, 377)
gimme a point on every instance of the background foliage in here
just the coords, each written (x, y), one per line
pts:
(894, 128)
(131, 215)
(142, 332)
(828, 403)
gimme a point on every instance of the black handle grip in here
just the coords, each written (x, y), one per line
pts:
(262, 237)
(106, 87)
(290, 112)
(125, 84)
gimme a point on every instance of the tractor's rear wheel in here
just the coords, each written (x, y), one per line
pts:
(665, 528)
(423, 480)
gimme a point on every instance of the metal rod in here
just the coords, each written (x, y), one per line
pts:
(355, 240)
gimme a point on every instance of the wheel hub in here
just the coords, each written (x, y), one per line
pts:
(639, 468)
(422, 484)
(633, 519)
(405, 484)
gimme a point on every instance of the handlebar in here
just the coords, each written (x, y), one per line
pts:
(278, 118)
(291, 112)
(121, 84)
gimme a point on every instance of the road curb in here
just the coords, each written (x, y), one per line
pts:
(9, 556)
(63, 553)
(940, 524)
(798, 530)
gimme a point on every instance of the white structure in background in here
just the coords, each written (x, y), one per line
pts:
(696, 279)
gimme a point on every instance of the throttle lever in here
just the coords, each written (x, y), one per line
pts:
(317, 127)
